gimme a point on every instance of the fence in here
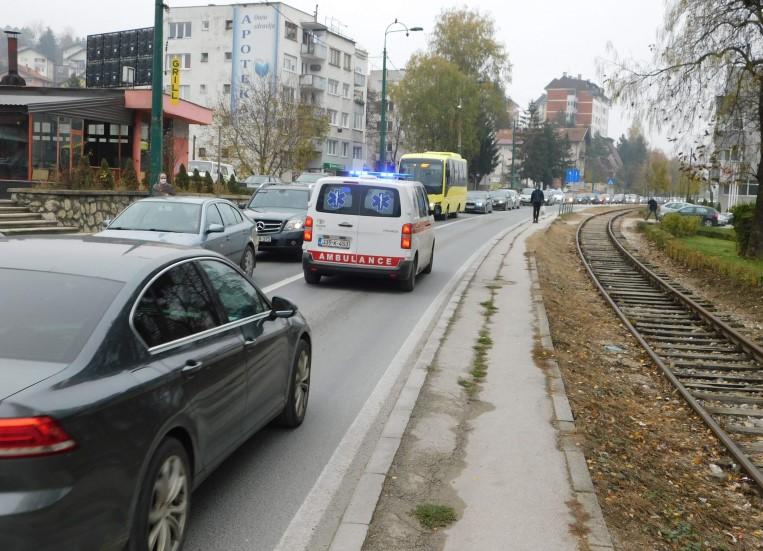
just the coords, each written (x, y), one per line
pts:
(566, 208)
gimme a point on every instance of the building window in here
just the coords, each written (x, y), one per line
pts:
(225, 152)
(180, 30)
(346, 120)
(185, 61)
(331, 147)
(202, 88)
(228, 56)
(357, 152)
(226, 88)
(347, 62)
(291, 31)
(332, 116)
(289, 93)
(358, 121)
(202, 152)
(185, 91)
(345, 149)
(205, 25)
(346, 90)
(289, 63)
(229, 24)
(335, 58)
(204, 57)
(333, 87)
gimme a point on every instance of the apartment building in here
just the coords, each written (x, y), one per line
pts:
(577, 102)
(222, 46)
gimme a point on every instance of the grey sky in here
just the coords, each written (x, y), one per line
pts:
(543, 37)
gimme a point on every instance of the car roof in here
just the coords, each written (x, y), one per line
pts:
(303, 187)
(112, 258)
(366, 180)
(190, 199)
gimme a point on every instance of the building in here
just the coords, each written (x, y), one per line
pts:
(577, 103)
(395, 136)
(221, 47)
(507, 149)
(30, 58)
(75, 60)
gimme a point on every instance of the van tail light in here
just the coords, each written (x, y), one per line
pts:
(308, 234)
(32, 437)
(405, 236)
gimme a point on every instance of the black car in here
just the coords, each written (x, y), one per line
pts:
(708, 215)
(128, 371)
(279, 213)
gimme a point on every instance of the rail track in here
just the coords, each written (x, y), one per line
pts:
(718, 371)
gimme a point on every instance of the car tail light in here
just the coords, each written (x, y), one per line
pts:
(32, 437)
(308, 235)
(405, 236)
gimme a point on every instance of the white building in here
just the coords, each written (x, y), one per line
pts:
(75, 59)
(39, 62)
(221, 46)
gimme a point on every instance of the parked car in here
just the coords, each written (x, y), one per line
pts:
(279, 212)
(254, 181)
(724, 219)
(211, 167)
(309, 178)
(209, 223)
(479, 201)
(709, 216)
(618, 198)
(131, 370)
(673, 206)
(525, 195)
(631, 199)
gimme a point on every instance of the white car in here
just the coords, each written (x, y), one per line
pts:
(368, 226)
(225, 170)
(673, 206)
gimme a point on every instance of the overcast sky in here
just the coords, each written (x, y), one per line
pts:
(544, 38)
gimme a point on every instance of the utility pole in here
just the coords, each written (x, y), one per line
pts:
(513, 149)
(157, 115)
(688, 179)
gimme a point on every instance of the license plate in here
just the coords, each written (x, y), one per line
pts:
(265, 239)
(334, 242)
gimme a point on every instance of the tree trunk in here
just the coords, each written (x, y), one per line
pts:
(755, 246)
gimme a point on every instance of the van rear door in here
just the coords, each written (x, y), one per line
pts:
(335, 223)
(380, 223)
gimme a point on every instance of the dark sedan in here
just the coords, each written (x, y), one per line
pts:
(279, 212)
(708, 215)
(129, 371)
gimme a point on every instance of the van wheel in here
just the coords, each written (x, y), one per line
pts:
(428, 269)
(312, 278)
(409, 283)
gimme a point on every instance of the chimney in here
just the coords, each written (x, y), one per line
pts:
(12, 78)
(580, 76)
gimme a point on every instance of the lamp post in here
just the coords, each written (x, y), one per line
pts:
(156, 97)
(513, 149)
(383, 124)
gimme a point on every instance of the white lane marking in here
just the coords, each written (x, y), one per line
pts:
(310, 514)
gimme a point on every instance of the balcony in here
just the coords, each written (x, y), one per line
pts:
(314, 51)
(312, 82)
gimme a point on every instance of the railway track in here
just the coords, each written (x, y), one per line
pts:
(718, 371)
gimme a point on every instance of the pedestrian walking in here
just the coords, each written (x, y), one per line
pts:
(163, 187)
(537, 202)
(652, 209)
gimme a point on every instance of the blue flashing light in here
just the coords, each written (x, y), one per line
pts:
(382, 175)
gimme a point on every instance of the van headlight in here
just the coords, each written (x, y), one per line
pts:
(294, 224)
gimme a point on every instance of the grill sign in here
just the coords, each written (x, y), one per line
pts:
(175, 80)
(357, 259)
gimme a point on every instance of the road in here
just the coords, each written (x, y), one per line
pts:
(358, 326)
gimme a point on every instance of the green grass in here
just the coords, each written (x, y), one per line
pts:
(718, 233)
(432, 515)
(724, 250)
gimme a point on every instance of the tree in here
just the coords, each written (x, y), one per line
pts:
(105, 178)
(270, 132)
(208, 184)
(73, 82)
(181, 179)
(82, 177)
(129, 177)
(544, 154)
(707, 68)
(195, 185)
(633, 153)
(657, 173)
(598, 167)
(233, 187)
(48, 46)
(486, 158)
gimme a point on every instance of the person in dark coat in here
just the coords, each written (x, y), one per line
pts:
(163, 187)
(652, 209)
(537, 201)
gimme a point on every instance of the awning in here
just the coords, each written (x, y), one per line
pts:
(103, 109)
(183, 110)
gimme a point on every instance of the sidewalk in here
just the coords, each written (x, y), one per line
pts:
(491, 435)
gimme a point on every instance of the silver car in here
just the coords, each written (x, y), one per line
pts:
(210, 223)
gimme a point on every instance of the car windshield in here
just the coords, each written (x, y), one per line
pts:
(528, 191)
(476, 195)
(269, 198)
(39, 325)
(162, 216)
(426, 171)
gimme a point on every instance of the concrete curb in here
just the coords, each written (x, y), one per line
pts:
(598, 537)
(352, 531)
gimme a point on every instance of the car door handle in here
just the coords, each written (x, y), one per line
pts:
(249, 342)
(191, 367)
(345, 225)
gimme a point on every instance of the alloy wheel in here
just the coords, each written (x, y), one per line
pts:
(301, 383)
(169, 506)
(248, 262)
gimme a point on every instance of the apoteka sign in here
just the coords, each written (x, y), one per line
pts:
(255, 46)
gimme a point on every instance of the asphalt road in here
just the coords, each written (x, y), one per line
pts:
(358, 326)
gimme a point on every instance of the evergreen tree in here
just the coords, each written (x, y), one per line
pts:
(486, 158)
(544, 154)
(73, 82)
(48, 46)
(82, 178)
(181, 180)
(105, 179)
(129, 177)
(233, 187)
(195, 184)
(208, 184)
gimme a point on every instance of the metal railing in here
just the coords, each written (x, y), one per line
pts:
(566, 208)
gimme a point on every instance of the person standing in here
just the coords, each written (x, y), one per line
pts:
(537, 202)
(652, 209)
(163, 187)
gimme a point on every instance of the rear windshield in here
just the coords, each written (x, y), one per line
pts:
(161, 216)
(360, 200)
(48, 317)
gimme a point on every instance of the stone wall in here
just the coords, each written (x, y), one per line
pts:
(82, 209)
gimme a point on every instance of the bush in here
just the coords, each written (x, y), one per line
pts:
(208, 184)
(105, 178)
(744, 217)
(717, 233)
(680, 225)
(82, 178)
(233, 185)
(129, 177)
(182, 180)
(194, 185)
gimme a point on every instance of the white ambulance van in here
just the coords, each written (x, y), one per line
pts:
(368, 226)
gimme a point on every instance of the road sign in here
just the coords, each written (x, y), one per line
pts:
(572, 175)
(175, 80)
(610, 182)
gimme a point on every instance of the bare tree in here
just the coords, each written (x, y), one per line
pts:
(270, 130)
(706, 72)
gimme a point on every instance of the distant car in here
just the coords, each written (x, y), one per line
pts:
(211, 167)
(525, 194)
(667, 208)
(553, 196)
(479, 201)
(130, 370)
(501, 199)
(254, 181)
(279, 212)
(310, 177)
(513, 197)
(208, 223)
(724, 219)
(631, 199)
(709, 216)
(618, 198)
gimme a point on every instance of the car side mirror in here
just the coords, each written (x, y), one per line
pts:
(106, 223)
(242, 205)
(282, 308)
(215, 228)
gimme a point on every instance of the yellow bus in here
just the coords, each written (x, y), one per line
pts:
(444, 176)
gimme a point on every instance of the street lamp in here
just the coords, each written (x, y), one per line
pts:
(383, 129)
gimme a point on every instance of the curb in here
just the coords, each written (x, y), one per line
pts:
(353, 528)
(598, 536)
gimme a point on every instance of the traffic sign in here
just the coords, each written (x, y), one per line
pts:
(610, 182)
(572, 175)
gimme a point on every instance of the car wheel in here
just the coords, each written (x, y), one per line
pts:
(312, 278)
(164, 501)
(299, 389)
(409, 283)
(248, 261)
(707, 222)
(428, 268)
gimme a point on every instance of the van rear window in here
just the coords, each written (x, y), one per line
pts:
(359, 200)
